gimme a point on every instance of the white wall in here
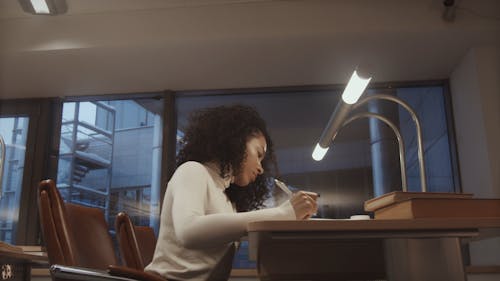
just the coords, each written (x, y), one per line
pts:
(475, 88)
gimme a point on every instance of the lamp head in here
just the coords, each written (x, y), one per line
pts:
(352, 92)
(355, 88)
(319, 152)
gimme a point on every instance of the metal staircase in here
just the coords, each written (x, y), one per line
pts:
(86, 153)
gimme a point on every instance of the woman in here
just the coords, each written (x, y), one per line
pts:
(223, 173)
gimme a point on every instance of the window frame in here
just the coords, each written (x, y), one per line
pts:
(40, 128)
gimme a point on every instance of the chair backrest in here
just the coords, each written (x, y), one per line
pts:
(136, 243)
(74, 235)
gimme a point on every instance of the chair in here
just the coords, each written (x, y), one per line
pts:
(78, 236)
(136, 243)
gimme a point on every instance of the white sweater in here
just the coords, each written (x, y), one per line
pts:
(199, 225)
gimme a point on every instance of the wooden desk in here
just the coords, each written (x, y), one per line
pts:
(16, 264)
(395, 250)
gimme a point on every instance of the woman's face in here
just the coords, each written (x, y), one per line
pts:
(252, 166)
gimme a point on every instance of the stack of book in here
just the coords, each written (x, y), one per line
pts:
(414, 205)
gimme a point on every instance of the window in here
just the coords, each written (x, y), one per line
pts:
(346, 176)
(429, 104)
(14, 131)
(110, 157)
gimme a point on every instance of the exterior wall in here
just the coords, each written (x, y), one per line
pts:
(132, 163)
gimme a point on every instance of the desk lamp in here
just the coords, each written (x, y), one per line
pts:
(340, 118)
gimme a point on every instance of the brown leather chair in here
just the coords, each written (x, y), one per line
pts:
(74, 235)
(136, 243)
(78, 236)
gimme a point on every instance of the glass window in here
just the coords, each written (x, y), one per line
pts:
(14, 131)
(110, 157)
(429, 105)
(346, 177)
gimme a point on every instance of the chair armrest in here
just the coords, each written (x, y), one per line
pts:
(74, 273)
(132, 273)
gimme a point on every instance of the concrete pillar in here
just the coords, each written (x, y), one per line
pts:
(154, 215)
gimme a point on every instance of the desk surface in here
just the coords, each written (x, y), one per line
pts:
(374, 225)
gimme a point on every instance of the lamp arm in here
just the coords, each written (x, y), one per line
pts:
(420, 152)
(2, 160)
(338, 116)
(402, 160)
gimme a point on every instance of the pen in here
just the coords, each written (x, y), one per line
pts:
(283, 187)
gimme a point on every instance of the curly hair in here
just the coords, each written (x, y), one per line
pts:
(220, 134)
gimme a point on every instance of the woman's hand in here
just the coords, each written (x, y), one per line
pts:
(304, 204)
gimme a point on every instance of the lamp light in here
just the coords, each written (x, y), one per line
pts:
(44, 7)
(352, 92)
(319, 152)
(355, 88)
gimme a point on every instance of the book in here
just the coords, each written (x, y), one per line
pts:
(416, 208)
(398, 196)
(10, 248)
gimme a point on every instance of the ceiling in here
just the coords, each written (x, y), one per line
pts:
(130, 46)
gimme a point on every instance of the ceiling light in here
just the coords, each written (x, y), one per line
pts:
(44, 7)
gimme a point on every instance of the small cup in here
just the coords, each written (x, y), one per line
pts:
(359, 217)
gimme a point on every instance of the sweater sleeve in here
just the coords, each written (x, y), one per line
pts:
(195, 229)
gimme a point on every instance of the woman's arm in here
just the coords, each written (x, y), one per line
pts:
(199, 231)
(196, 229)
(193, 227)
